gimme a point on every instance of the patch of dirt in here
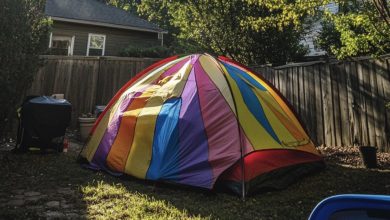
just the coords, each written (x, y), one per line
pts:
(351, 156)
(50, 186)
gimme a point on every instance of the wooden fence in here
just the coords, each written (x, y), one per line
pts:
(86, 81)
(340, 103)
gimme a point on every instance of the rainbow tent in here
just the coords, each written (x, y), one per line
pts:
(202, 121)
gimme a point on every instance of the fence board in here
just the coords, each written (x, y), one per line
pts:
(310, 103)
(85, 81)
(362, 104)
(282, 82)
(386, 91)
(358, 103)
(327, 106)
(340, 103)
(375, 141)
(369, 104)
(301, 98)
(380, 103)
(295, 91)
(349, 80)
(318, 105)
(348, 99)
(344, 113)
(335, 77)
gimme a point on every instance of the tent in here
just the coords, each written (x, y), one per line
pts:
(202, 121)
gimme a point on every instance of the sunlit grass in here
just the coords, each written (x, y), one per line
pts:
(97, 195)
(114, 201)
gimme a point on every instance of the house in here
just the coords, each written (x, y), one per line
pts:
(315, 30)
(92, 28)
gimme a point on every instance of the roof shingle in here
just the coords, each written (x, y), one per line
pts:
(95, 11)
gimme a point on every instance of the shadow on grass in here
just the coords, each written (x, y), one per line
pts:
(295, 202)
(97, 194)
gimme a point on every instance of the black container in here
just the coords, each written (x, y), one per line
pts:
(43, 122)
(368, 154)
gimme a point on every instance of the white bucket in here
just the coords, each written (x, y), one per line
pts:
(86, 125)
(58, 96)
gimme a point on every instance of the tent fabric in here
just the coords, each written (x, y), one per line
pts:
(190, 119)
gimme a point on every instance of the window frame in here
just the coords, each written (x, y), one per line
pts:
(89, 42)
(71, 38)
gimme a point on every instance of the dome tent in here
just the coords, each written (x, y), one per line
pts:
(197, 119)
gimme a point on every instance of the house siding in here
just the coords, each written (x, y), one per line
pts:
(116, 39)
(316, 29)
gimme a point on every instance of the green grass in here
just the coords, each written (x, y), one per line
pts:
(115, 201)
(100, 196)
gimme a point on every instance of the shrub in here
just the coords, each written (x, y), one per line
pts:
(23, 36)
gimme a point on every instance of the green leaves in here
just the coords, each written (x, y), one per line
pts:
(23, 37)
(247, 31)
(281, 13)
(360, 28)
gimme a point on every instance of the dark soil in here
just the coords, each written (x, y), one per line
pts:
(54, 185)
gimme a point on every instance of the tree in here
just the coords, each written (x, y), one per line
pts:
(282, 13)
(382, 6)
(360, 28)
(228, 28)
(23, 37)
(127, 5)
(158, 13)
(155, 12)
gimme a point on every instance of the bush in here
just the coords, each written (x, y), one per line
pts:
(23, 37)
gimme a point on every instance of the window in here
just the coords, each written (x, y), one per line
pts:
(61, 45)
(96, 45)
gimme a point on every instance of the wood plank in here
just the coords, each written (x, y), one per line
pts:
(363, 109)
(295, 91)
(327, 104)
(282, 82)
(344, 107)
(386, 89)
(94, 83)
(268, 77)
(310, 106)
(370, 103)
(380, 73)
(301, 98)
(49, 79)
(319, 123)
(349, 79)
(275, 75)
(336, 105)
(375, 141)
(289, 87)
(357, 103)
(68, 81)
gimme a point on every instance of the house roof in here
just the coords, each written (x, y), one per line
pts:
(96, 13)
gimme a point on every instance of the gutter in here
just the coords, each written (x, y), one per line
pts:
(105, 24)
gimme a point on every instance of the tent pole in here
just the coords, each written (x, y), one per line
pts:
(242, 172)
(241, 156)
(243, 190)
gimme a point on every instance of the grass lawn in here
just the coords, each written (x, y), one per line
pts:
(55, 186)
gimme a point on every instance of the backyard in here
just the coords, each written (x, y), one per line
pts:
(56, 186)
(319, 77)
